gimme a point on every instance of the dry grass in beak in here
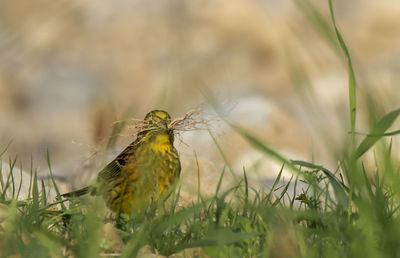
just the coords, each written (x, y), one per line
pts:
(191, 121)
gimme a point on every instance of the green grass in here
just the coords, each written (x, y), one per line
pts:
(359, 218)
(350, 212)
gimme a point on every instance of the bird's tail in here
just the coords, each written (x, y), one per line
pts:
(77, 193)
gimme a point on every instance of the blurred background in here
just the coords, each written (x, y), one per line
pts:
(69, 70)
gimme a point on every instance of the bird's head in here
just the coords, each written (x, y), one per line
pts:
(157, 122)
(157, 118)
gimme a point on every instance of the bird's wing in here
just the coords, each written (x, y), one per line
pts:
(77, 193)
(113, 169)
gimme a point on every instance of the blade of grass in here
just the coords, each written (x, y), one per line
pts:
(12, 182)
(294, 192)
(220, 181)
(271, 192)
(5, 149)
(352, 80)
(246, 185)
(137, 242)
(320, 23)
(220, 237)
(52, 243)
(30, 179)
(223, 156)
(198, 177)
(383, 134)
(7, 184)
(277, 201)
(338, 187)
(44, 197)
(35, 192)
(163, 223)
(176, 200)
(258, 144)
(20, 183)
(1, 174)
(53, 181)
(392, 133)
(376, 133)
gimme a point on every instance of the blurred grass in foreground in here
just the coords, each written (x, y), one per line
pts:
(351, 213)
(358, 218)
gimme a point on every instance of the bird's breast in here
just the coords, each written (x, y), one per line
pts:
(161, 143)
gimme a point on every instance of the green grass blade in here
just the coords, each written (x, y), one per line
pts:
(220, 181)
(223, 156)
(352, 78)
(294, 192)
(43, 194)
(161, 224)
(20, 183)
(5, 149)
(1, 175)
(177, 197)
(271, 192)
(220, 237)
(246, 185)
(53, 181)
(35, 192)
(338, 187)
(376, 133)
(198, 177)
(392, 133)
(137, 242)
(8, 182)
(30, 179)
(318, 20)
(12, 182)
(258, 144)
(278, 201)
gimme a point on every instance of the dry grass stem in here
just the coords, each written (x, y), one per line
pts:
(190, 121)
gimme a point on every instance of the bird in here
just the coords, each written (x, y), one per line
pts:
(143, 172)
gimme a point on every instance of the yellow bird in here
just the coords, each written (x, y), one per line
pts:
(143, 171)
